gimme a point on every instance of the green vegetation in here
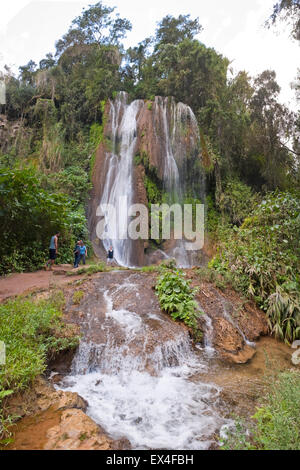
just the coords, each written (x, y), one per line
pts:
(78, 296)
(89, 270)
(261, 260)
(58, 107)
(33, 333)
(55, 118)
(29, 215)
(176, 298)
(276, 423)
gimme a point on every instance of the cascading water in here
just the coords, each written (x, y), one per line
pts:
(174, 126)
(171, 173)
(168, 135)
(140, 374)
(227, 315)
(118, 188)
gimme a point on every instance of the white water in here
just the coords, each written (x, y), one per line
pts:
(180, 117)
(150, 395)
(118, 189)
(174, 119)
(229, 318)
(171, 173)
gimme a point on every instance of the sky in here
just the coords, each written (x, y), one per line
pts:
(235, 28)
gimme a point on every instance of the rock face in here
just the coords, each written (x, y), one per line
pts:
(155, 141)
(56, 420)
(41, 397)
(76, 431)
(8, 132)
(234, 323)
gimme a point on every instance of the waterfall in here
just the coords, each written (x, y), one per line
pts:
(140, 374)
(118, 188)
(176, 149)
(171, 173)
(171, 145)
(226, 313)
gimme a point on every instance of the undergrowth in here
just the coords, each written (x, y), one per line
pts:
(92, 269)
(177, 298)
(276, 423)
(33, 332)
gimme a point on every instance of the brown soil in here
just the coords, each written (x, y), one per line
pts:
(25, 283)
(31, 431)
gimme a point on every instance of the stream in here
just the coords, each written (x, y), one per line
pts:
(140, 374)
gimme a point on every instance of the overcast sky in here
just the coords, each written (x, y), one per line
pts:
(29, 29)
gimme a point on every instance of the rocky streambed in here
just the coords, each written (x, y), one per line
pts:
(137, 380)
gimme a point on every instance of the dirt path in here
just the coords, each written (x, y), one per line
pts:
(21, 283)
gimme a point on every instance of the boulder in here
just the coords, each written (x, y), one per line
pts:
(76, 431)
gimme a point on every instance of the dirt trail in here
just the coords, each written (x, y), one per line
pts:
(21, 283)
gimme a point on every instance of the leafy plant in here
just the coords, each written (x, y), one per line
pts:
(32, 332)
(176, 298)
(276, 423)
(261, 259)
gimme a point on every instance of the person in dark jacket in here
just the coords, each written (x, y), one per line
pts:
(110, 255)
(77, 254)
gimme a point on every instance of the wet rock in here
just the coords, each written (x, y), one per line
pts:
(240, 357)
(233, 320)
(61, 363)
(76, 431)
(56, 379)
(43, 396)
(47, 397)
(71, 400)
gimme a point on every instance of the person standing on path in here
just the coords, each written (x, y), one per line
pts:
(83, 252)
(77, 254)
(53, 250)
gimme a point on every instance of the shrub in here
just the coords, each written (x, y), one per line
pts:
(176, 298)
(238, 201)
(261, 259)
(32, 332)
(29, 215)
(276, 423)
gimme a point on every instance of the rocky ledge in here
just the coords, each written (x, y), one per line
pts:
(56, 420)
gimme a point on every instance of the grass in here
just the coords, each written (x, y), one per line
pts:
(276, 423)
(78, 296)
(89, 270)
(159, 268)
(33, 333)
